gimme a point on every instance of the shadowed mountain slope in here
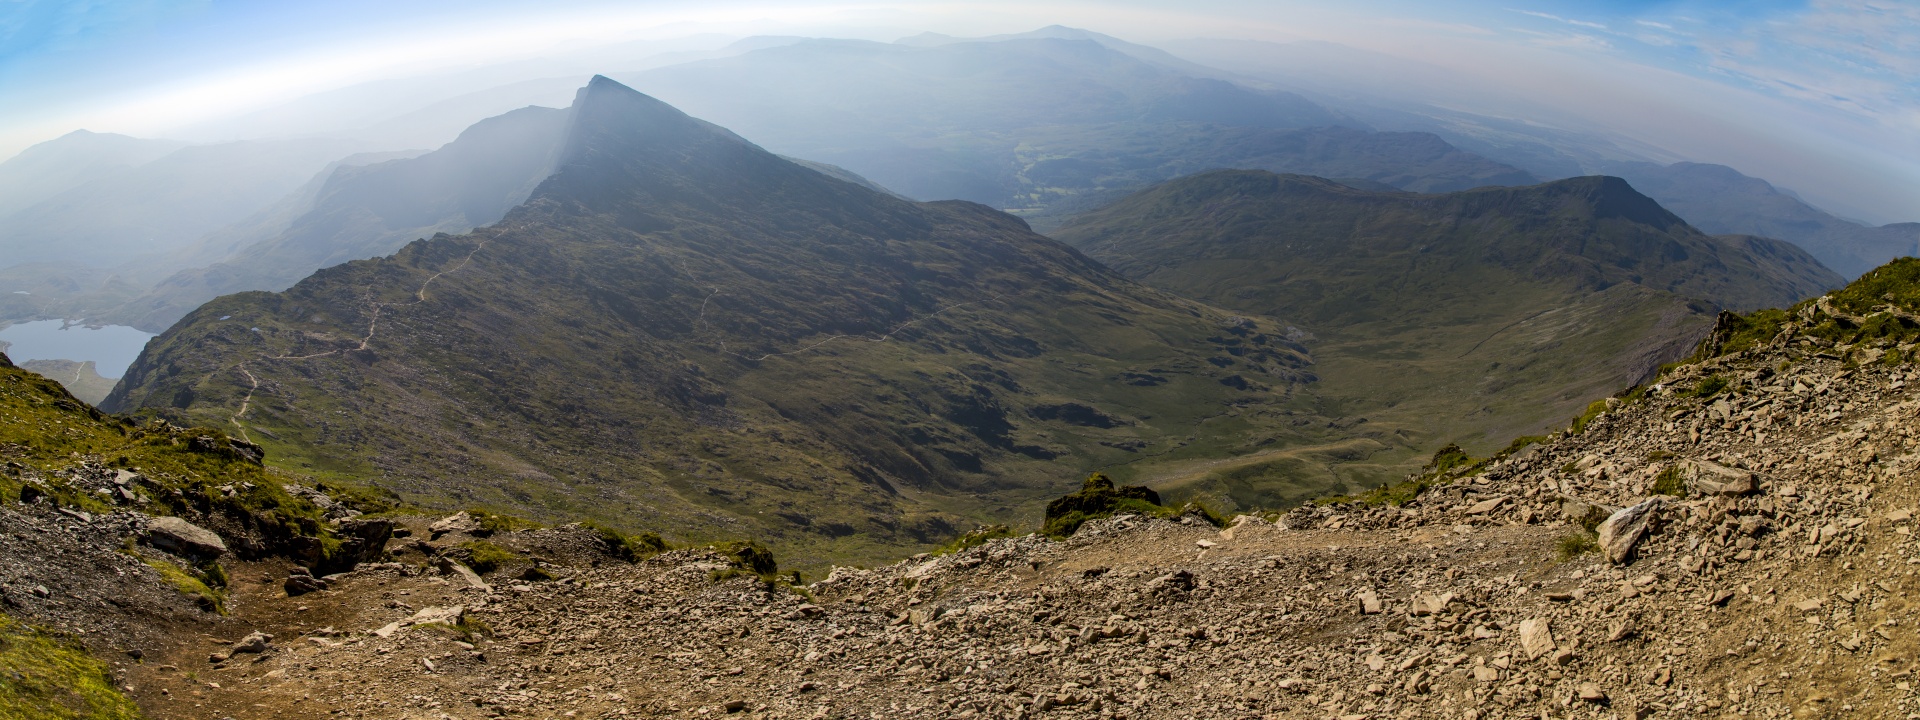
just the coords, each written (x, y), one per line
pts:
(682, 331)
(1470, 316)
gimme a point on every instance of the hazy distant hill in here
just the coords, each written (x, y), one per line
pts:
(76, 158)
(373, 210)
(1471, 316)
(1719, 199)
(681, 330)
(161, 205)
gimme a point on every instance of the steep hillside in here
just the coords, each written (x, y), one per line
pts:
(1718, 199)
(1027, 123)
(1468, 317)
(1734, 540)
(682, 331)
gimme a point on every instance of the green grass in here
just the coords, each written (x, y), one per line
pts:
(1708, 387)
(49, 677)
(206, 587)
(631, 548)
(1670, 482)
(485, 557)
(976, 538)
(1579, 424)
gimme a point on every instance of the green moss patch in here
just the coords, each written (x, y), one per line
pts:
(48, 677)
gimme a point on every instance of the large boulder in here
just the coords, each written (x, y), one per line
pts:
(1623, 530)
(1709, 478)
(184, 538)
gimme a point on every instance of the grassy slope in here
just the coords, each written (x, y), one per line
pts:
(681, 333)
(1469, 317)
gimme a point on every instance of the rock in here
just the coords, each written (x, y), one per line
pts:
(252, 643)
(460, 522)
(465, 574)
(1592, 693)
(179, 536)
(1536, 637)
(1623, 530)
(1486, 506)
(1369, 603)
(1709, 478)
(1719, 597)
(1204, 544)
(1424, 605)
(301, 581)
(453, 615)
(1807, 605)
(1563, 657)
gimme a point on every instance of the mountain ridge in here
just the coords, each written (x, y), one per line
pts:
(680, 328)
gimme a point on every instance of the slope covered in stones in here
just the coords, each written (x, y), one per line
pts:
(680, 331)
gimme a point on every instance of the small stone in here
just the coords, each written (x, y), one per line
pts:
(734, 706)
(1369, 603)
(1592, 693)
(1204, 543)
(1719, 597)
(1486, 506)
(1536, 637)
(460, 522)
(252, 643)
(1808, 605)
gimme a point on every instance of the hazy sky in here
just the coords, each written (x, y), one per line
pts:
(1821, 96)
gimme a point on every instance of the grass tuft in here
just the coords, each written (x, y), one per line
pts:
(1575, 544)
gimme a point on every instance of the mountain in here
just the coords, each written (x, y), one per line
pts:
(71, 160)
(372, 210)
(1719, 199)
(1028, 123)
(1466, 317)
(680, 330)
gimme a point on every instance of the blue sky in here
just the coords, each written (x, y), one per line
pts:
(1827, 91)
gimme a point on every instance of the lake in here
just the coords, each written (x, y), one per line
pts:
(112, 348)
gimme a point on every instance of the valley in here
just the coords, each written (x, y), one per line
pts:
(566, 360)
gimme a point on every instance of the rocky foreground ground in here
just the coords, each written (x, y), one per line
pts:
(1754, 558)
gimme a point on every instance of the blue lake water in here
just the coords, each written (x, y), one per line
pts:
(111, 348)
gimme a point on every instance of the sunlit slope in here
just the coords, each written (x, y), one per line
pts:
(1470, 316)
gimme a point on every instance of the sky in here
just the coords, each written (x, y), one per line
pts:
(1821, 96)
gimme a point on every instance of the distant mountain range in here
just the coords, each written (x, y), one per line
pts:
(1718, 199)
(679, 329)
(1466, 317)
(1037, 121)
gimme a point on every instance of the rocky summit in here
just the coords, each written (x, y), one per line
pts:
(1734, 539)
